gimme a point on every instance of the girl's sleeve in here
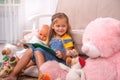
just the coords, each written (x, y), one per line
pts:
(67, 42)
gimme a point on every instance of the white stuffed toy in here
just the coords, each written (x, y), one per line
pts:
(75, 72)
(9, 50)
(101, 43)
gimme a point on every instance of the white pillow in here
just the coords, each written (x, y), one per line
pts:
(31, 71)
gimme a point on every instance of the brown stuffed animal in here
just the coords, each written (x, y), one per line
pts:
(72, 53)
(6, 51)
(5, 71)
(9, 50)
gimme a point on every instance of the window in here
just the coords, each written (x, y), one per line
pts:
(10, 3)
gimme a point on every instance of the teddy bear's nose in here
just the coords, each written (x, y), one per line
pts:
(90, 50)
(84, 49)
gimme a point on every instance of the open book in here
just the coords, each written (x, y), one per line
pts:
(46, 48)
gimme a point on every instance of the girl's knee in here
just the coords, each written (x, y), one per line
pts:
(29, 50)
(37, 52)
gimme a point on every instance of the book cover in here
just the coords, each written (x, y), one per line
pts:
(45, 47)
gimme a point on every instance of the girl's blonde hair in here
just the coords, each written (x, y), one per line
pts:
(55, 17)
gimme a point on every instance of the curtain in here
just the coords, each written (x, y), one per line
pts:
(14, 15)
(11, 20)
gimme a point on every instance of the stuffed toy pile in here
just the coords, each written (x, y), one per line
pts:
(101, 42)
(9, 60)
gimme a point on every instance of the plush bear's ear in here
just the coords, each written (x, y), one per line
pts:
(69, 61)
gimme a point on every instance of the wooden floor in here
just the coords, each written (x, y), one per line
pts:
(24, 78)
(27, 78)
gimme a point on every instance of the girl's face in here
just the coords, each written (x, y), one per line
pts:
(60, 27)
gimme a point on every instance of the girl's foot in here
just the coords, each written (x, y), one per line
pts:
(10, 78)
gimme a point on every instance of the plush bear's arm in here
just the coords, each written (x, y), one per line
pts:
(81, 73)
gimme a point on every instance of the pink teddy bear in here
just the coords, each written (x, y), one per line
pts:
(101, 43)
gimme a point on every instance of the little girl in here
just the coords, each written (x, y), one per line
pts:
(59, 40)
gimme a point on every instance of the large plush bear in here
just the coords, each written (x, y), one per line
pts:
(101, 43)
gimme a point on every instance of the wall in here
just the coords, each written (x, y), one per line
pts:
(81, 12)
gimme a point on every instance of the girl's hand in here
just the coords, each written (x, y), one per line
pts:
(59, 54)
(23, 40)
(20, 43)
